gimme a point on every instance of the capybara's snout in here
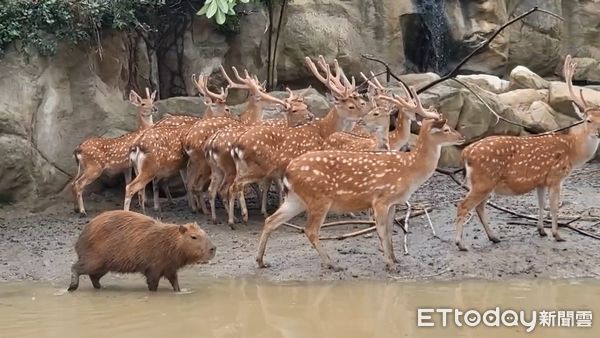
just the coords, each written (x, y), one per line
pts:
(212, 250)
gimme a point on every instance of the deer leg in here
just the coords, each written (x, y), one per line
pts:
(541, 195)
(288, 210)
(264, 190)
(472, 200)
(142, 193)
(132, 188)
(554, 205)
(315, 218)
(244, 209)
(482, 214)
(155, 191)
(165, 187)
(89, 175)
(406, 218)
(189, 184)
(280, 189)
(216, 179)
(382, 212)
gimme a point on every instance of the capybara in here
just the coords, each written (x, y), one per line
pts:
(125, 241)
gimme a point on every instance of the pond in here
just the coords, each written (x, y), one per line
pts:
(257, 308)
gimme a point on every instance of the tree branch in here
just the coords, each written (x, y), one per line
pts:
(453, 72)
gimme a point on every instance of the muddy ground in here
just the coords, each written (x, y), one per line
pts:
(39, 246)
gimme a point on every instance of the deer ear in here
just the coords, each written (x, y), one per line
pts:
(153, 96)
(182, 229)
(134, 98)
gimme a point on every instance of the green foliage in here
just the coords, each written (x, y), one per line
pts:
(220, 9)
(41, 24)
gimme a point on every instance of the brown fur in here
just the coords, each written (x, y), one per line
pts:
(351, 181)
(508, 165)
(128, 242)
(97, 155)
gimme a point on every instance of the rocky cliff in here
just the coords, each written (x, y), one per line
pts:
(48, 105)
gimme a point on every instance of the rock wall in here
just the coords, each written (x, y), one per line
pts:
(49, 105)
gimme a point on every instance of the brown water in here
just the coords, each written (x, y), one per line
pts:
(256, 308)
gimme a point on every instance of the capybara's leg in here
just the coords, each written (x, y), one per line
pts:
(76, 270)
(172, 277)
(95, 278)
(152, 279)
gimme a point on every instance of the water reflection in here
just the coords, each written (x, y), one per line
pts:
(251, 308)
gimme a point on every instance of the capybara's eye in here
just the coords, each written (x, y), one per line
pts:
(193, 237)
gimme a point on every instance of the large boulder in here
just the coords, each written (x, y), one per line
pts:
(468, 114)
(490, 83)
(342, 30)
(523, 77)
(535, 41)
(539, 117)
(588, 69)
(523, 97)
(561, 101)
(49, 105)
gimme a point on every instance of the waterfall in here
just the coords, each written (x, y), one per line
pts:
(433, 15)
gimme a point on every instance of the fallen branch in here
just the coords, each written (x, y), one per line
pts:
(561, 225)
(398, 221)
(293, 226)
(349, 235)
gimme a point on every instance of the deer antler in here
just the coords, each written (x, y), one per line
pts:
(255, 86)
(243, 85)
(413, 104)
(333, 83)
(568, 72)
(202, 84)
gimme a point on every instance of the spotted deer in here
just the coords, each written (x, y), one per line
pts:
(98, 155)
(376, 135)
(158, 153)
(508, 165)
(198, 169)
(218, 150)
(343, 181)
(263, 153)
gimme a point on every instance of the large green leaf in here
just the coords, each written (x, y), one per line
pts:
(203, 10)
(212, 9)
(220, 17)
(223, 5)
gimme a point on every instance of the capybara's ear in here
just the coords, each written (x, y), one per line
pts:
(182, 229)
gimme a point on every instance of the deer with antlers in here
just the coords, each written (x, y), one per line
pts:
(343, 181)
(377, 136)
(98, 155)
(262, 153)
(199, 169)
(509, 165)
(158, 154)
(218, 151)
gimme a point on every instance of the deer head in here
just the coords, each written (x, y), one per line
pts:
(216, 104)
(348, 102)
(145, 107)
(296, 110)
(439, 133)
(409, 106)
(589, 113)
